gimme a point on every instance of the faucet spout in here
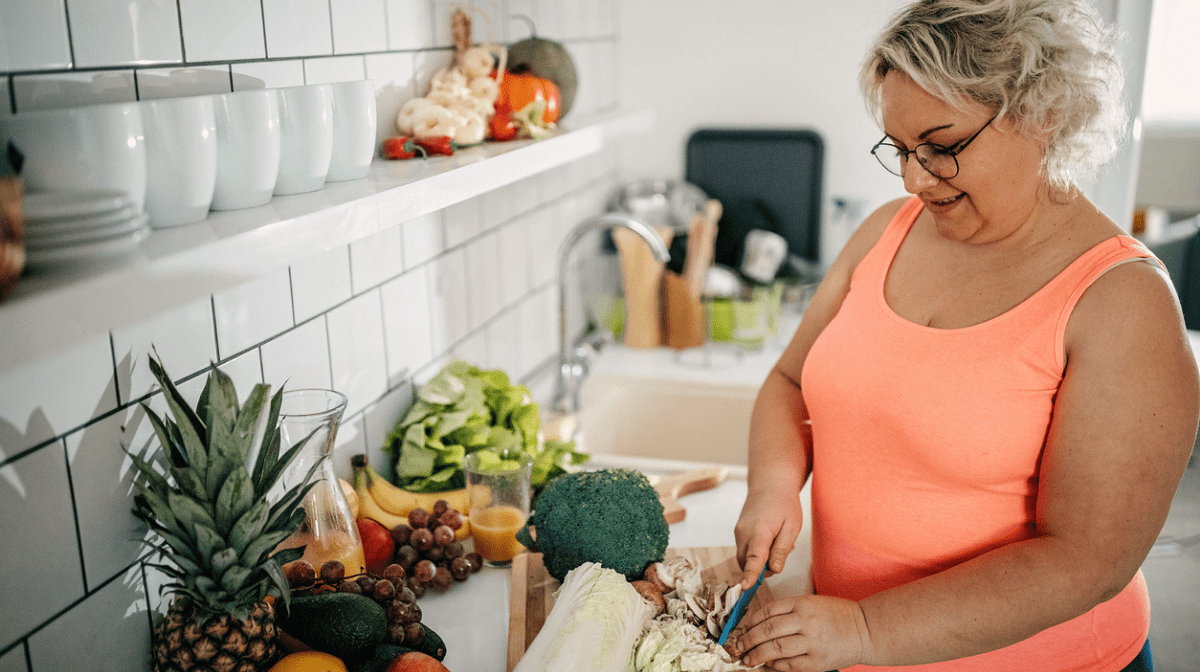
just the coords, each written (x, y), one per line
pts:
(572, 369)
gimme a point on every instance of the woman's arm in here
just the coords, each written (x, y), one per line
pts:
(1123, 427)
(780, 447)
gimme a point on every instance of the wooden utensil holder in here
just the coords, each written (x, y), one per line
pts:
(684, 313)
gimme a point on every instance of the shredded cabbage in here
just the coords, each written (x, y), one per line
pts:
(674, 645)
(596, 619)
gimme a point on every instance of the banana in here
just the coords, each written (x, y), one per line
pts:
(400, 502)
(369, 508)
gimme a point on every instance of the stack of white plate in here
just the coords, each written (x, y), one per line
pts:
(72, 227)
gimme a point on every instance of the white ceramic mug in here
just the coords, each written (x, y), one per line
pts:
(181, 159)
(247, 148)
(354, 119)
(89, 148)
(306, 137)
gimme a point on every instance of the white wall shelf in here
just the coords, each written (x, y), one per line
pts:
(51, 313)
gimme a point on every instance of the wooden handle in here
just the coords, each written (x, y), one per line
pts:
(685, 314)
(671, 488)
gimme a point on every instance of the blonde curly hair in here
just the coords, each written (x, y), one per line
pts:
(1047, 64)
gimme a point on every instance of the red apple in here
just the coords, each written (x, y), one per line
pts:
(378, 546)
(415, 661)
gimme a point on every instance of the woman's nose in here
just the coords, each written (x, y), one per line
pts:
(916, 178)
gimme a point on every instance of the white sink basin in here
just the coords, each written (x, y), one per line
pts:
(665, 418)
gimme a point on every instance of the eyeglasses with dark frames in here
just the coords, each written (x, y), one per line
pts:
(937, 160)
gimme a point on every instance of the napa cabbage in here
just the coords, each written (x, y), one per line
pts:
(596, 619)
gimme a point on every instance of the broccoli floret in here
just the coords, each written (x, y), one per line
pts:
(610, 516)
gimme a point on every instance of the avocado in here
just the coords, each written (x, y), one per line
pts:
(346, 625)
(431, 644)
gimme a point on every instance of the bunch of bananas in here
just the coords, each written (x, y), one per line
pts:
(389, 505)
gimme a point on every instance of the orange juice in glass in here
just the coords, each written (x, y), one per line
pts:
(498, 485)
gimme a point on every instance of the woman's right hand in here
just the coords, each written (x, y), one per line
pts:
(766, 532)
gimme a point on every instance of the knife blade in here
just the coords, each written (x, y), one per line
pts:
(740, 608)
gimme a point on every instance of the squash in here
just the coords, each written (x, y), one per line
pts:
(546, 59)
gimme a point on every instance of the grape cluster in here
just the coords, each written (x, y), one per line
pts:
(428, 551)
(388, 591)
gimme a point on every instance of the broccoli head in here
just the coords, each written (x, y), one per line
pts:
(610, 516)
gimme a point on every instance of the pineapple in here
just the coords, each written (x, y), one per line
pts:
(214, 525)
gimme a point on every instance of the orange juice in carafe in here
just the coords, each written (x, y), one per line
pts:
(494, 531)
(319, 550)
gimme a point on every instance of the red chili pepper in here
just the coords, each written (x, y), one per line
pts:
(400, 147)
(502, 125)
(438, 144)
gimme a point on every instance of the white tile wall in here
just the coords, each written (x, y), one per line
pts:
(251, 313)
(107, 626)
(475, 280)
(394, 80)
(222, 30)
(410, 24)
(297, 28)
(39, 528)
(101, 476)
(320, 283)
(14, 660)
(28, 416)
(483, 279)
(462, 221)
(358, 26)
(406, 323)
(182, 337)
(356, 351)
(34, 36)
(376, 258)
(422, 239)
(268, 74)
(125, 31)
(449, 306)
(300, 357)
(335, 69)
(513, 261)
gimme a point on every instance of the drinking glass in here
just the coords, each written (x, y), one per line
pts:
(498, 485)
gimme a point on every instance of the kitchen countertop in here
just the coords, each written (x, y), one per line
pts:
(472, 617)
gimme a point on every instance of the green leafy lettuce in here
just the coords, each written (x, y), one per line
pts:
(463, 409)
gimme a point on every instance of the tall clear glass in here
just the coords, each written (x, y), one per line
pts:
(329, 531)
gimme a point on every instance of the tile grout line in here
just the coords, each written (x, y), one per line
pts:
(75, 515)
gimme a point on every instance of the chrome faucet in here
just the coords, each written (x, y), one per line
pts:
(572, 367)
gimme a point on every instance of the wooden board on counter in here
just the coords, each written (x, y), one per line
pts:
(532, 590)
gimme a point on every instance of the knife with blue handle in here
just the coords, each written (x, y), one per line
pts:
(740, 607)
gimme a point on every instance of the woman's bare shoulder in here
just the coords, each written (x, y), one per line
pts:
(866, 235)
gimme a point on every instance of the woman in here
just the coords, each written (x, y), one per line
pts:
(991, 390)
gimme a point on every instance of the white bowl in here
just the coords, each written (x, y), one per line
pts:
(354, 120)
(247, 148)
(306, 137)
(90, 148)
(181, 156)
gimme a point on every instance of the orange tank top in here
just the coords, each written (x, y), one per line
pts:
(926, 448)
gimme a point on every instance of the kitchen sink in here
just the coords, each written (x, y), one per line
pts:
(666, 418)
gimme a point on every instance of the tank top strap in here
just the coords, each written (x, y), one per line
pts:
(874, 266)
(1069, 285)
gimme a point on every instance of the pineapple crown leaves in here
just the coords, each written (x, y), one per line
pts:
(209, 510)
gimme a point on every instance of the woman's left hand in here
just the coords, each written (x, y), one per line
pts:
(808, 633)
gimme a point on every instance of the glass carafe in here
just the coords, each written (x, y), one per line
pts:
(328, 531)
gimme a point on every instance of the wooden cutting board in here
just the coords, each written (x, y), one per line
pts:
(532, 590)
